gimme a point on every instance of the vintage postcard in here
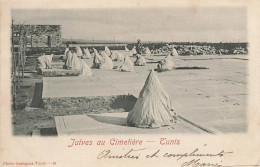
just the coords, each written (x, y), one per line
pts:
(130, 83)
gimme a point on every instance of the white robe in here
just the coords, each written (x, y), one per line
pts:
(153, 107)
(78, 51)
(44, 61)
(107, 51)
(127, 66)
(147, 51)
(75, 62)
(85, 69)
(119, 56)
(169, 64)
(134, 50)
(107, 62)
(174, 52)
(86, 54)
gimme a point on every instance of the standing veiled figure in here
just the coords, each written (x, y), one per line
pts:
(153, 107)
(127, 66)
(107, 62)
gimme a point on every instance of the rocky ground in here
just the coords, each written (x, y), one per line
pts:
(198, 50)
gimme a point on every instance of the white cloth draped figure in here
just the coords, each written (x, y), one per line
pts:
(66, 50)
(86, 54)
(119, 56)
(107, 51)
(169, 64)
(153, 107)
(113, 56)
(78, 51)
(147, 51)
(75, 62)
(84, 69)
(97, 59)
(140, 60)
(134, 50)
(127, 66)
(44, 61)
(174, 52)
(107, 62)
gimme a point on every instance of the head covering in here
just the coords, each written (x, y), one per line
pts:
(153, 107)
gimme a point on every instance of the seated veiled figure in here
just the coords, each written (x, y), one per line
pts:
(73, 62)
(140, 60)
(97, 59)
(85, 69)
(107, 62)
(174, 52)
(153, 108)
(147, 51)
(113, 55)
(78, 51)
(127, 66)
(166, 65)
(107, 51)
(134, 50)
(44, 61)
(86, 54)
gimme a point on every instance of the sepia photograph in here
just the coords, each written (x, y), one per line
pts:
(129, 83)
(129, 71)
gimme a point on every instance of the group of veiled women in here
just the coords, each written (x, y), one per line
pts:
(103, 60)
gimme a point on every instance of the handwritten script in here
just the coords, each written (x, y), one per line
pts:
(194, 158)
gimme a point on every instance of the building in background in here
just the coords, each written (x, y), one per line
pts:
(39, 35)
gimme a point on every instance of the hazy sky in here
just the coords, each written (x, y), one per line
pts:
(160, 24)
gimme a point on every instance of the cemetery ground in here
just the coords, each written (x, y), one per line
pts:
(214, 98)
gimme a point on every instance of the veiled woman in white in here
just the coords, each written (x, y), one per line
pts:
(107, 62)
(127, 66)
(153, 107)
